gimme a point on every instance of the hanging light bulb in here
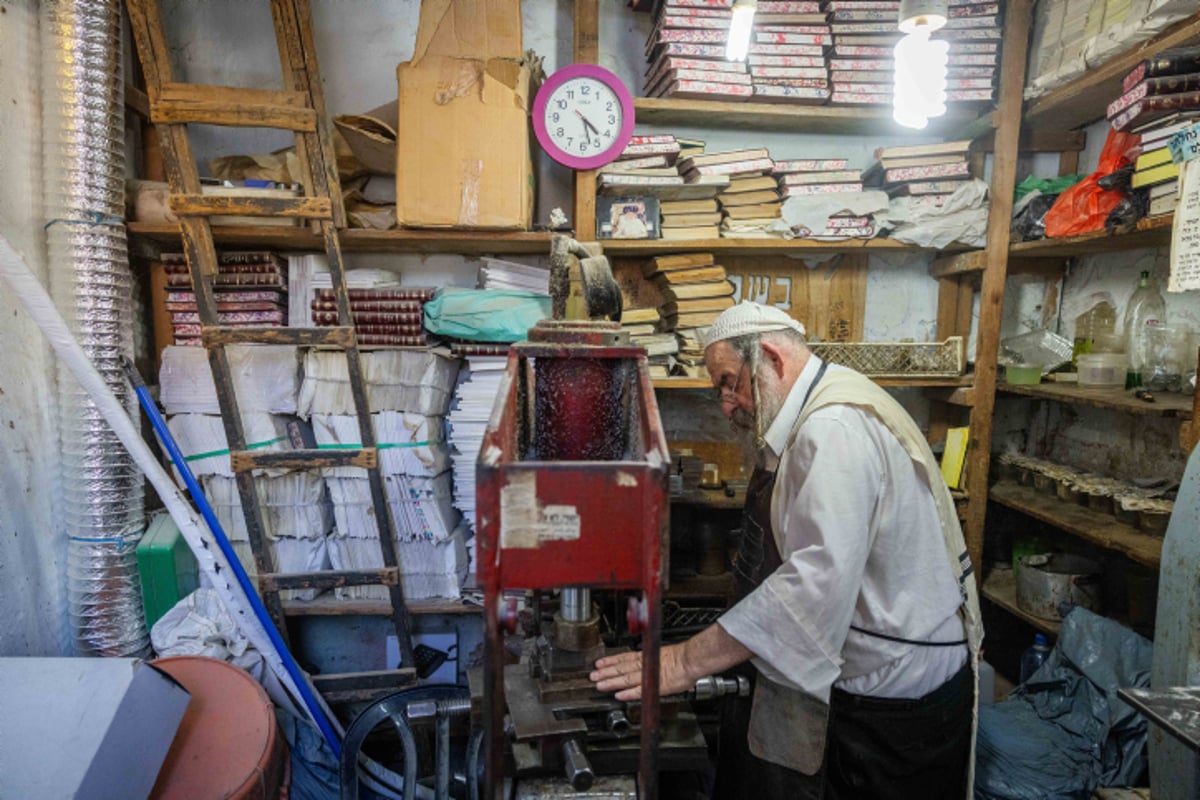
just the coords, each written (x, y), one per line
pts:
(738, 43)
(919, 89)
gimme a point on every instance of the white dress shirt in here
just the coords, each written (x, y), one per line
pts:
(861, 545)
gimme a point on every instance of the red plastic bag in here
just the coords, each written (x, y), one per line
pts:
(1085, 206)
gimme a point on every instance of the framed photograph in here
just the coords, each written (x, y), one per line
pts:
(627, 218)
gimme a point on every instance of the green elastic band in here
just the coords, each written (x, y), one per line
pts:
(384, 446)
(251, 446)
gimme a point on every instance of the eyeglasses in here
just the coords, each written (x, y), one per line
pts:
(723, 393)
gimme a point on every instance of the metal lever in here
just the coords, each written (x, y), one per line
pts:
(714, 686)
(578, 768)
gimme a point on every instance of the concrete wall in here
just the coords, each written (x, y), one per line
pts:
(32, 553)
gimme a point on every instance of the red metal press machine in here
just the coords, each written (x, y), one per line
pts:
(572, 496)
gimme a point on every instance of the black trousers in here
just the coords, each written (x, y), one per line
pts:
(876, 749)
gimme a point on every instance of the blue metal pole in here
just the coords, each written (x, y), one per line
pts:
(206, 511)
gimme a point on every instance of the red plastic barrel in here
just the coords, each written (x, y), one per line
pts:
(228, 745)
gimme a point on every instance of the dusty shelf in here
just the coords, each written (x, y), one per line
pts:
(356, 240)
(1153, 232)
(327, 605)
(1092, 526)
(1084, 99)
(1001, 588)
(876, 121)
(795, 247)
(1165, 404)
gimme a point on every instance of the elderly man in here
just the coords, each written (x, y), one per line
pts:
(855, 606)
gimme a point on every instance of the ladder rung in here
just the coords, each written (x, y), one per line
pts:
(246, 460)
(337, 336)
(194, 205)
(181, 103)
(363, 687)
(330, 579)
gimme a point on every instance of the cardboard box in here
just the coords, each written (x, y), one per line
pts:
(462, 144)
(93, 728)
(469, 29)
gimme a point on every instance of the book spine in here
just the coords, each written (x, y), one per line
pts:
(901, 174)
(861, 51)
(845, 76)
(240, 305)
(691, 36)
(693, 50)
(692, 22)
(231, 317)
(821, 188)
(791, 92)
(795, 83)
(707, 88)
(861, 15)
(807, 73)
(189, 330)
(468, 349)
(639, 180)
(701, 3)
(786, 50)
(356, 306)
(1134, 77)
(968, 83)
(974, 47)
(811, 30)
(972, 60)
(968, 22)
(799, 62)
(982, 9)
(953, 34)
(696, 11)
(420, 295)
(841, 97)
(368, 318)
(850, 5)
(864, 88)
(809, 165)
(392, 340)
(726, 78)
(862, 27)
(665, 138)
(932, 187)
(963, 95)
(238, 279)
(658, 149)
(847, 222)
(701, 64)
(860, 64)
(791, 38)
(971, 72)
(227, 297)
(384, 330)
(645, 162)
(788, 7)
(835, 176)
(734, 167)
(1173, 84)
(1175, 64)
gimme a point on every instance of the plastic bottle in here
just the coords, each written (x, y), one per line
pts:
(1033, 658)
(1146, 309)
(1099, 320)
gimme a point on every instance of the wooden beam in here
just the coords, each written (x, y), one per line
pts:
(246, 460)
(235, 107)
(137, 101)
(1018, 14)
(202, 205)
(1036, 141)
(586, 51)
(959, 263)
(330, 579)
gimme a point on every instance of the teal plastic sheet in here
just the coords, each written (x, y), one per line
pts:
(485, 315)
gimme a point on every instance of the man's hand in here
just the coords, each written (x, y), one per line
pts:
(623, 674)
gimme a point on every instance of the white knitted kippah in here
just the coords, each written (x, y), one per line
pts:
(749, 317)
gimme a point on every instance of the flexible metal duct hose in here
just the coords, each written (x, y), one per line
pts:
(102, 504)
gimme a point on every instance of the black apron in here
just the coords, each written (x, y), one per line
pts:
(875, 747)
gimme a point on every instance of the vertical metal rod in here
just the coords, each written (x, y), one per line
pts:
(576, 604)
(443, 756)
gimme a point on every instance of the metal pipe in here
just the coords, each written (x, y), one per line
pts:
(576, 604)
(101, 504)
(442, 785)
(577, 767)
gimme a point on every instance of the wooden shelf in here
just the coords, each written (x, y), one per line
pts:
(1152, 232)
(710, 498)
(1099, 529)
(1001, 588)
(357, 240)
(327, 605)
(1164, 405)
(794, 247)
(874, 121)
(1084, 99)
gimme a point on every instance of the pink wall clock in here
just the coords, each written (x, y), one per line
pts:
(583, 116)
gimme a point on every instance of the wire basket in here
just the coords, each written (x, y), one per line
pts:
(896, 359)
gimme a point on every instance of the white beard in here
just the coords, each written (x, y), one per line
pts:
(750, 428)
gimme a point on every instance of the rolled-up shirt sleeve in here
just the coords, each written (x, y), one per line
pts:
(826, 491)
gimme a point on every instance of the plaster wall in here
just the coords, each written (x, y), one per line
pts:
(32, 552)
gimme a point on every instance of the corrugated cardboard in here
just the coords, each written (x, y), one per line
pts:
(462, 144)
(371, 136)
(469, 29)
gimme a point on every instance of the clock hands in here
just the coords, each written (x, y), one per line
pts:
(587, 124)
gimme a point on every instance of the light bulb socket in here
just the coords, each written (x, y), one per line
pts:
(929, 15)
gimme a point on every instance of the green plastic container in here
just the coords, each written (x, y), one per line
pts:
(166, 566)
(1027, 374)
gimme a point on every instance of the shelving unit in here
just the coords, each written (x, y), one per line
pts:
(1092, 526)
(798, 247)
(1164, 405)
(354, 240)
(327, 605)
(1000, 587)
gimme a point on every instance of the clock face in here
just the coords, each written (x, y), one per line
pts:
(583, 116)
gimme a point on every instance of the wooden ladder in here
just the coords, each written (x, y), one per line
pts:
(300, 108)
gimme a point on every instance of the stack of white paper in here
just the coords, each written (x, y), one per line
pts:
(498, 274)
(409, 443)
(421, 508)
(427, 569)
(201, 439)
(418, 381)
(297, 517)
(266, 377)
(474, 398)
(302, 271)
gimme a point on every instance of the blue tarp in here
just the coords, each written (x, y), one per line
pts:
(1063, 732)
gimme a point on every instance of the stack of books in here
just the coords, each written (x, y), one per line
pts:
(694, 291)
(973, 31)
(788, 50)
(391, 317)
(686, 52)
(750, 205)
(250, 289)
(1164, 85)
(864, 34)
(647, 161)
(931, 171)
(640, 320)
(801, 177)
(689, 219)
(745, 174)
(1154, 170)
